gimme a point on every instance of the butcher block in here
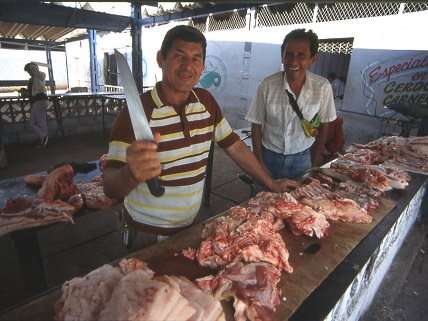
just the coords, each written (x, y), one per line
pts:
(315, 262)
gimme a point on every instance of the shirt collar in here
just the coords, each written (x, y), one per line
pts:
(193, 98)
(155, 96)
(307, 86)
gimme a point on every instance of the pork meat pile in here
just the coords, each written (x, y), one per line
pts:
(406, 153)
(331, 204)
(57, 200)
(300, 218)
(242, 236)
(131, 292)
(24, 212)
(253, 287)
(93, 194)
(381, 177)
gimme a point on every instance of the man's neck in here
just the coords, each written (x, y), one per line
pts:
(296, 84)
(173, 97)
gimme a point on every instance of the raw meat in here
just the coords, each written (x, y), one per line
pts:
(330, 203)
(58, 184)
(34, 180)
(371, 176)
(130, 292)
(339, 209)
(24, 212)
(137, 297)
(83, 298)
(407, 153)
(93, 195)
(206, 307)
(253, 286)
(253, 240)
(308, 222)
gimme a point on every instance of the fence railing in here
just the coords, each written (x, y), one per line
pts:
(66, 114)
(111, 89)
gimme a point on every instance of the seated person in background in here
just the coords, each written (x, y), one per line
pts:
(185, 120)
(285, 103)
(337, 85)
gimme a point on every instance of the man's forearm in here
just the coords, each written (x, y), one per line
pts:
(118, 182)
(319, 145)
(256, 137)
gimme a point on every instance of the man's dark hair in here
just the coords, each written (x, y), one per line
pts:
(299, 34)
(186, 33)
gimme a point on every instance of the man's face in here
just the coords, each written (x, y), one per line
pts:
(182, 66)
(297, 58)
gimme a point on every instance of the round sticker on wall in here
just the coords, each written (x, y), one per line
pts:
(213, 77)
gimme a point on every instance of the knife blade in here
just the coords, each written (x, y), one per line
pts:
(138, 117)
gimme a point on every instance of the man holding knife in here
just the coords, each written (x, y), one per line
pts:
(184, 121)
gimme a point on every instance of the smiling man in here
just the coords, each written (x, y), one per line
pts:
(291, 110)
(184, 120)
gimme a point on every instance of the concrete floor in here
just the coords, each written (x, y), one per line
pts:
(71, 250)
(403, 294)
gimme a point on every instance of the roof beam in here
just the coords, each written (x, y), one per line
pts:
(188, 13)
(41, 43)
(54, 15)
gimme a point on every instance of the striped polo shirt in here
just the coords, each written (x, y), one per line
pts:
(186, 135)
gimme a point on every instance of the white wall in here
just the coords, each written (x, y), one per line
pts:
(380, 41)
(12, 64)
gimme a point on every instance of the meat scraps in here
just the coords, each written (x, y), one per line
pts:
(407, 153)
(23, 212)
(58, 184)
(253, 286)
(93, 194)
(331, 204)
(130, 292)
(231, 239)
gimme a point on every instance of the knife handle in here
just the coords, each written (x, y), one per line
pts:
(155, 188)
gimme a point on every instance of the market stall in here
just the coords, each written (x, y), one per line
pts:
(333, 277)
(24, 230)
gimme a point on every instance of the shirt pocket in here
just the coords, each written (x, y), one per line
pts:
(275, 114)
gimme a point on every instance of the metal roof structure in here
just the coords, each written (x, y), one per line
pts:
(14, 30)
(34, 20)
(35, 25)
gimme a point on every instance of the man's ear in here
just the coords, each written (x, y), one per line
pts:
(159, 59)
(314, 58)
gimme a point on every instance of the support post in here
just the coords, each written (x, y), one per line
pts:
(50, 70)
(66, 68)
(137, 52)
(93, 59)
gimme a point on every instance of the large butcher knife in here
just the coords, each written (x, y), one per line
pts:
(136, 112)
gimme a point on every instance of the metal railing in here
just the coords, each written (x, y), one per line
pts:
(111, 89)
(70, 113)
